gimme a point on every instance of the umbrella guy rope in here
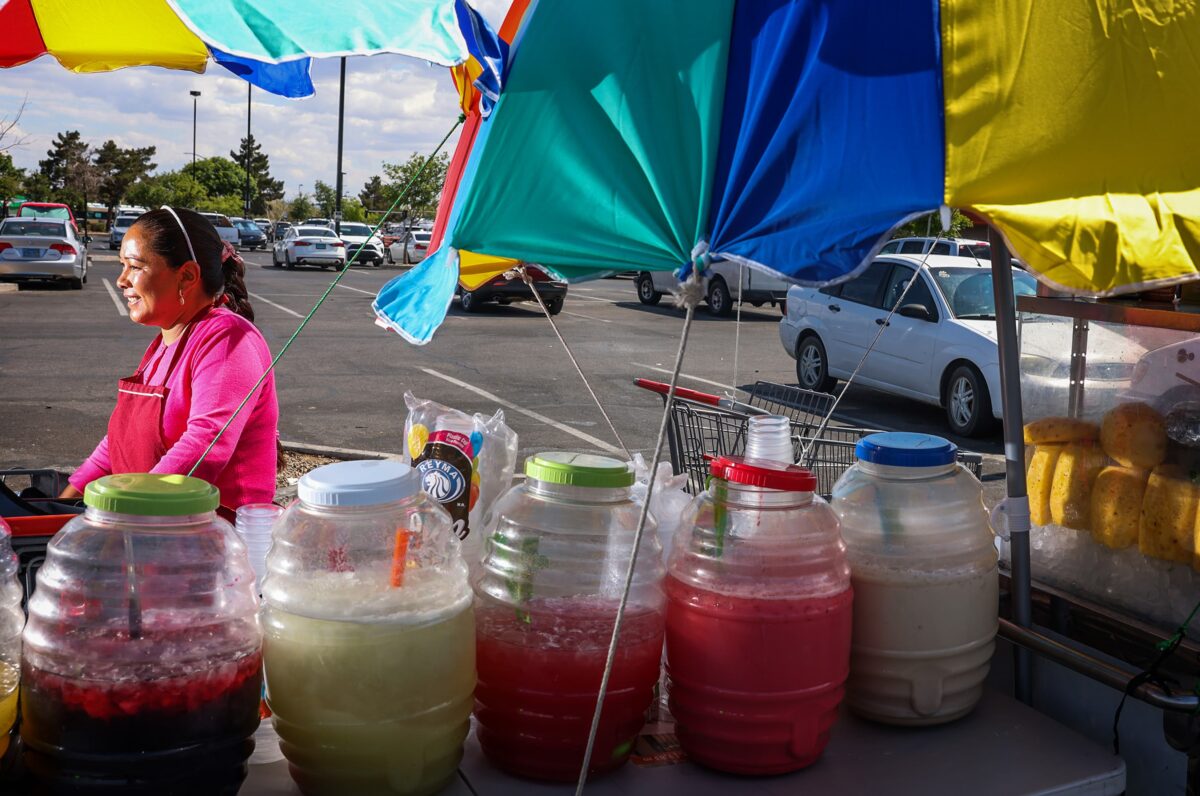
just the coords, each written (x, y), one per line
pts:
(690, 293)
(524, 275)
(325, 295)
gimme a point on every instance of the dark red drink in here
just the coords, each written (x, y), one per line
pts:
(539, 675)
(186, 734)
(755, 683)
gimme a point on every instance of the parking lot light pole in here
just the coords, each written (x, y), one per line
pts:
(194, 94)
(337, 206)
(246, 194)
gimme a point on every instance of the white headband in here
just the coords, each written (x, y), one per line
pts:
(183, 229)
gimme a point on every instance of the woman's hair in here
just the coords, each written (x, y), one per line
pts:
(222, 271)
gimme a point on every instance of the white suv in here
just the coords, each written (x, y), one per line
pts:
(225, 228)
(720, 287)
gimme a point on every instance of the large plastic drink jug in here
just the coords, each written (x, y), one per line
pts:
(925, 582)
(555, 560)
(141, 663)
(758, 615)
(12, 620)
(370, 637)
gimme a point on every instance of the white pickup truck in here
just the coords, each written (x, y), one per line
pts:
(721, 288)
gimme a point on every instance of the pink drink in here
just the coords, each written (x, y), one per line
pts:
(755, 683)
(539, 672)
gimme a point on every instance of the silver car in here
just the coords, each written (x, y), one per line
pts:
(42, 250)
(309, 245)
(120, 226)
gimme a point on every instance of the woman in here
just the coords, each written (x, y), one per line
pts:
(177, 275)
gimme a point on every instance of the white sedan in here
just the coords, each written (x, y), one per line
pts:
(939, 348)
(311, 246)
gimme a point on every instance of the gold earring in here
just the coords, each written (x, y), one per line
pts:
(181, 302)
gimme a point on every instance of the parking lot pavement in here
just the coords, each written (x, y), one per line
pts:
(342, 382)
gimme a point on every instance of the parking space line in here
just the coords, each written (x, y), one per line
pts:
(279, 307)
(112, 291)
(589, 317)
(683, 375)
(592, 298)
(588, 438)
(356, 290)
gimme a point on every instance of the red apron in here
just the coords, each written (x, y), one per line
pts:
(135, 431)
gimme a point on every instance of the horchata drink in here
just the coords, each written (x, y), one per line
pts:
(546, 601)
(141, 666)
(370, 634)
(926, 590)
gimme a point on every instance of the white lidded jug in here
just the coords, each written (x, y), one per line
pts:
(926, 589)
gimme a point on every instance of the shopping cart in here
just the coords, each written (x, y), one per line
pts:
(701, 425)
(29, 506)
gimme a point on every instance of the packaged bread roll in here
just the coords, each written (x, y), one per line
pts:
(1074, 473)
(1135, 435)
(1039, 480)
(1168, 524)
(1117, 505)
(1060, 429)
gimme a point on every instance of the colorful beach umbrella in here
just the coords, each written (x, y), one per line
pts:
(266, 42)
(794, 136)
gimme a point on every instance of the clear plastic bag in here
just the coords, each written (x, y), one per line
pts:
(668, 501)
(466, 462)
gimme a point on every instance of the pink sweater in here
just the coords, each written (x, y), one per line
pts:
(223, 357)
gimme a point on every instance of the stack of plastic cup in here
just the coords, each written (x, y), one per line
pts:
(254, 523)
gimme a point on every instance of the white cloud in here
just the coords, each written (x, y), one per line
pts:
(394, 106)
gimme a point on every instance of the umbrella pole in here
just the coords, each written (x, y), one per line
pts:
(1014, 455)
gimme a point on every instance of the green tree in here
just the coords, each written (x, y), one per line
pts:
(66, 169)
(374, 195)
(422, 198)
(11, 179)
(228, 205)
(120, 169)
(219, 176)
(36, 186)
(325, 197)
(268, 189)
(169, 188)
(930, 224)
(353, 210)
(300, 208)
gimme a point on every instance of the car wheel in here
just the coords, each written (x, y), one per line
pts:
(720, 302)
(646, 292)
(287, 261)
(470, 302)
(75, 284)
(554, 305)
(783, 307)
(388, 254)
(812, 365)
(340, 266)
(406, 258)
(968, 406)
(274, 259)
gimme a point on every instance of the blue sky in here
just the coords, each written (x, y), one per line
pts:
(394, 106)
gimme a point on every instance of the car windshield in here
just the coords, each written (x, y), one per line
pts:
(46, 212)
(357, 230)
(124, 221)
(315, 232)
(968, 291)
(980, 251)
(249, 226)
(422, 237)
(38, 228)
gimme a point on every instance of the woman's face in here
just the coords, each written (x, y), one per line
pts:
(151, 287)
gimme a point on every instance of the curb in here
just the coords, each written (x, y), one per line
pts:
(336, 453)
